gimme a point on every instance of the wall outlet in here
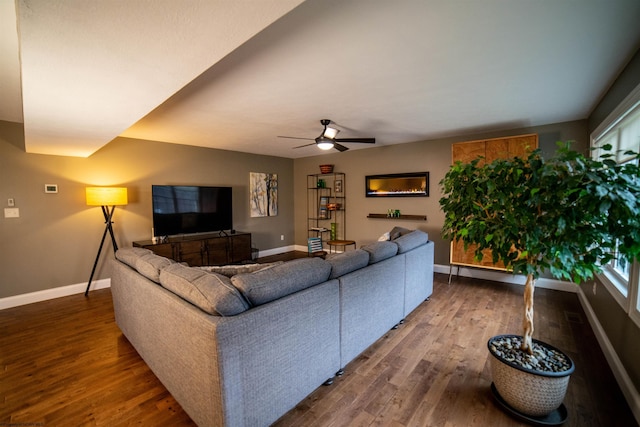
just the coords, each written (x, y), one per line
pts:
(11, 202)
(282, 237)
(12, 212)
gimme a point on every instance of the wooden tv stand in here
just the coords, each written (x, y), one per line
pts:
(203, 249)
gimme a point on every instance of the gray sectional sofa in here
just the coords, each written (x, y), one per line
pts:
(243, 349)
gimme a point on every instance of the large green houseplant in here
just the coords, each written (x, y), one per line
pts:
(569, 214)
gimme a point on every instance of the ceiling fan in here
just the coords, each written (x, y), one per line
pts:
(327, 139)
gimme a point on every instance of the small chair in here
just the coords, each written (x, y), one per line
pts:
(315, 247)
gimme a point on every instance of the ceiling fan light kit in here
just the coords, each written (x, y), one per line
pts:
(327, 139)
(330, 132)
(324, 143)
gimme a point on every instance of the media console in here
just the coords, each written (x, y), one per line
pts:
(203, 249)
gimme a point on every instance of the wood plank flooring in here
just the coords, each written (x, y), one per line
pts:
(64, 362)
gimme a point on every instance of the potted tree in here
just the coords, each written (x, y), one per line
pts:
(568, 215)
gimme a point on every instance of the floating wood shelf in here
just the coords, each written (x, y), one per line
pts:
(408, 217)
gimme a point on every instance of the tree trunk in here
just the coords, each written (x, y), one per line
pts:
(527, 322)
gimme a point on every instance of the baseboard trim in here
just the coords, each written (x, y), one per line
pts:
(281, 250)
(504, 277)
(47, 294)
(629, 390)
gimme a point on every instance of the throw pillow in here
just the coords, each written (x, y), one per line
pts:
(386, 236)
(397, 232)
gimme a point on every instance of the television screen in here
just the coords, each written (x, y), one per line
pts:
(190, 209)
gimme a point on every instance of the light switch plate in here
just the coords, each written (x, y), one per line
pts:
(12, 212)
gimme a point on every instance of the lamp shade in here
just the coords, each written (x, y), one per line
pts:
(324, 143)
(330, 133)
(106, 196)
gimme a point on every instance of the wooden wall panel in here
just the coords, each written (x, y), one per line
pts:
(496, 149)
(521, 146)
(467, 151)
(491, 149)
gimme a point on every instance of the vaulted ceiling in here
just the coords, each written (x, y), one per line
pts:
(236, 74)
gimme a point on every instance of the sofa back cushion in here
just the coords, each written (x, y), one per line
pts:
(211, 292)
(412, 240)
(130, 255)
(380, 251)
(150, 265)
(346, 262)
(276, 282)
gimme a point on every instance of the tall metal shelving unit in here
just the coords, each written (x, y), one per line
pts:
(326, 206)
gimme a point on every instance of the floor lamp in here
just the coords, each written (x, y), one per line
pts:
(107, 198)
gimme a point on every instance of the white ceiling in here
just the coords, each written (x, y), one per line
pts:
(235, 74)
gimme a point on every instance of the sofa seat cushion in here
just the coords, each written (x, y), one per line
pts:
(412, 240)
(130, 255)
(346, 262)
(211, 292)
(276, 282)
(232, 270)
(379, 251)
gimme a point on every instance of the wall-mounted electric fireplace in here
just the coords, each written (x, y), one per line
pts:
(415, 184)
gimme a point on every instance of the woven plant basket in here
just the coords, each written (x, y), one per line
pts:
(326, 168)
(531, 392)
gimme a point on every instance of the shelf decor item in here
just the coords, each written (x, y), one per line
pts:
(323, 212)
(326, 168)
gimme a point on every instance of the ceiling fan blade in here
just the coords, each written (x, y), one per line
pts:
(357, 140)
(339, 147)
(305, 145)
(295, 137)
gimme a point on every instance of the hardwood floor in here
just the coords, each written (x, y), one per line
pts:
(64, 362)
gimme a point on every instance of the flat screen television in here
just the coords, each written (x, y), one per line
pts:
(180, 209)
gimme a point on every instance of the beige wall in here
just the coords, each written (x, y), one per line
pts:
(433, 156)
(56, 238)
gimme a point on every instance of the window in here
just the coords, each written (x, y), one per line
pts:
(622, 131)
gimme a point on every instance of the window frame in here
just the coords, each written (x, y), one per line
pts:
(625, 292)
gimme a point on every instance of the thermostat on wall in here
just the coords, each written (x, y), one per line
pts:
(51, 188)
